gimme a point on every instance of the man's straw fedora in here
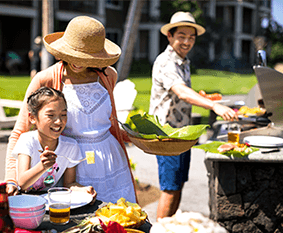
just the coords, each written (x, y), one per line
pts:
(83, 43)
(181, 18)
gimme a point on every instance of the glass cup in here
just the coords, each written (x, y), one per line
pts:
(59, 199)
(234, 131)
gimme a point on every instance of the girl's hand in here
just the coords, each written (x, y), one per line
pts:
(48, 158)
(11, 189)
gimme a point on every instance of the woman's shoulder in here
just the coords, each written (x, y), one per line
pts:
(111, 71)
(48, 74)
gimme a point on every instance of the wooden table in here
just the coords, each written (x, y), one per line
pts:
(79, 214)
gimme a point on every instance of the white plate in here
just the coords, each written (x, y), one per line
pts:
(78, 199)
(264, 141)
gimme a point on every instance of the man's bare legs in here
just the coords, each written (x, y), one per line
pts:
(168, 203)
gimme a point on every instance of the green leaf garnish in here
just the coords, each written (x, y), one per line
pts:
(149, 127)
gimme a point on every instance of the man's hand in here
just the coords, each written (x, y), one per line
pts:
(225, 112)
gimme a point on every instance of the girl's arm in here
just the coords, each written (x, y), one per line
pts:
(70, 182)
(28, 176)
(43, 78)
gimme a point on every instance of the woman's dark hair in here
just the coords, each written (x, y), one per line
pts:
(41, 96)
(93, 69)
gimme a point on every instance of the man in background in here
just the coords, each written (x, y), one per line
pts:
(171, 100)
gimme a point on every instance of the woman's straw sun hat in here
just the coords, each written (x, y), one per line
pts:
(83, 43)
(181, 18)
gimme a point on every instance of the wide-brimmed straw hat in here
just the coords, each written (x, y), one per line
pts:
(181, 18)
(83, 43)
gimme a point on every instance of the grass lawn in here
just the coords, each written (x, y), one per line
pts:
(226, 83)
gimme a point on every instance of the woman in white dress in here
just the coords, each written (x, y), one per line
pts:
(87, 80)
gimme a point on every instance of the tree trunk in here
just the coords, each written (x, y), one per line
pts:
(129, 38)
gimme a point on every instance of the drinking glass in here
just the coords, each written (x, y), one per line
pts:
(59, 199)
(234, 131)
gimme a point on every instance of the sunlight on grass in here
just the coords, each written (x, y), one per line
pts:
(13, 87)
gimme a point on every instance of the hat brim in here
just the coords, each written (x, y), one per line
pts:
(56, 46)
(200, 29)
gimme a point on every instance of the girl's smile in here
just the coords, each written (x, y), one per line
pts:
(51, 119)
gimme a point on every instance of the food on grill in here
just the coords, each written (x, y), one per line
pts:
(251, 111)
(189, 222)
(235, 147)
(214, 96)
(127, 214)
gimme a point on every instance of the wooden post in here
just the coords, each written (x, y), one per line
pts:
(129, 38)
(47, 27)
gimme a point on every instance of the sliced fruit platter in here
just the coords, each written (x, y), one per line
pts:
(120, 217)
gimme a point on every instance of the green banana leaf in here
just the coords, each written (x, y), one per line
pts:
(212, 147)
(149, 127)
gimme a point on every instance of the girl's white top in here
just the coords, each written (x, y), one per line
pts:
(28, 144)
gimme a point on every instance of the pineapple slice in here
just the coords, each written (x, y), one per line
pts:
(90, 158)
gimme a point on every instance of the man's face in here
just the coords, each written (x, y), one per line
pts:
(183, 40)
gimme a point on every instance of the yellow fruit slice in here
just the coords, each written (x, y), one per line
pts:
(90, 157)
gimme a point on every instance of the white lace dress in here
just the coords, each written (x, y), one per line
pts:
(89, 109)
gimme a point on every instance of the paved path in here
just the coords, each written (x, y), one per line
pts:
(195, 194)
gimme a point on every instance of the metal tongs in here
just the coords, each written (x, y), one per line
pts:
(259, 120)
(128, 129)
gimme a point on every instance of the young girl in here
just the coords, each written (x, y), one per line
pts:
(41, 170)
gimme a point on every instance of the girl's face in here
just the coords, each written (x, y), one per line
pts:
(51, 119)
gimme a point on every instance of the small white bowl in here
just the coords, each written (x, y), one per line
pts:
(26, 203)
(28, 213)
(28, 222)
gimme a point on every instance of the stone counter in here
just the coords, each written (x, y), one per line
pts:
(246, 194)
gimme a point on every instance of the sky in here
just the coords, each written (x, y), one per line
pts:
(277, 11)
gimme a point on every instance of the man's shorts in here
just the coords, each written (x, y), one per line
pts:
(173, 170)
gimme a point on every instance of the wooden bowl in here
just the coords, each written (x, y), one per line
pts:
(167, 147)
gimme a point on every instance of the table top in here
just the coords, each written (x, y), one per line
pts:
(263, 155)
(79, 214)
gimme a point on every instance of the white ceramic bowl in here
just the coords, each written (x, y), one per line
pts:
(27, 213)
(28, 222)
(26, 203)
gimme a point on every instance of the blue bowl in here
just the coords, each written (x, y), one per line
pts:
(26, 203)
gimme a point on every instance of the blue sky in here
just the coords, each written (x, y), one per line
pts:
(277, 11)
